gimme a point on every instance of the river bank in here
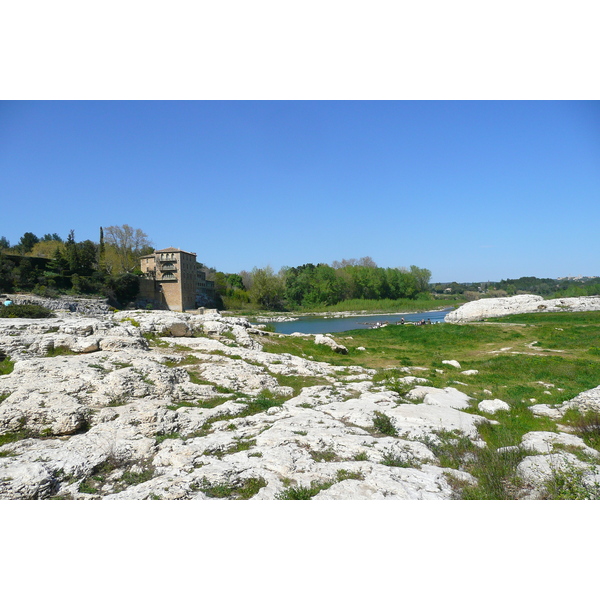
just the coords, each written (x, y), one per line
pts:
(281, 317)
(340, 324)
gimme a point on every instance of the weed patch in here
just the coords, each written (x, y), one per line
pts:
(243, 490)
(404, 460)
(571, 484)
(59, 351)
(584, 424)
(383, 424)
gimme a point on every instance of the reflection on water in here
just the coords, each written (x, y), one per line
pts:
(337, 324)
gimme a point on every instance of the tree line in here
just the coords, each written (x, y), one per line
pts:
(310, 286)
(546, 287)
(50, 266)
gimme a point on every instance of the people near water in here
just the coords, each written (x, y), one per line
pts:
(423, 322)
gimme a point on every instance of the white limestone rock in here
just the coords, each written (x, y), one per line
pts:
(588, 400)
(537, 471)
(140, 414)
(42, 414)
(479, 310)
(544, 442)
(492, 406)
(544, 410)
(449, 396)
(452, 363)
(327, 341)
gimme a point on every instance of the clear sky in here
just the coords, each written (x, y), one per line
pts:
(472, 190)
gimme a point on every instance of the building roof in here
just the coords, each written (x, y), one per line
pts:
(171, 249)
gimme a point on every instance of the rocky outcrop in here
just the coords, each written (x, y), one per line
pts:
(525, 303)
(69, 304)
(142, 405)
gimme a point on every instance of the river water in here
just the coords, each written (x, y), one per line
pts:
(338, 324)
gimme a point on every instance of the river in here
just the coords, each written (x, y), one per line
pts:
(338, 324)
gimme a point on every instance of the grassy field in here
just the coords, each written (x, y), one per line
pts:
(541, 358)
(511, 355)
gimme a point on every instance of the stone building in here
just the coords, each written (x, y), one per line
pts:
(173, 279)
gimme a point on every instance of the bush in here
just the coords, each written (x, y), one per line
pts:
(383, 424)
(25, 311)
(122, 289)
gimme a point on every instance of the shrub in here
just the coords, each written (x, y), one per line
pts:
(404, 460)
(25, 311)
(241, 491)
(383, 424)
(571, 484)
(301, 492)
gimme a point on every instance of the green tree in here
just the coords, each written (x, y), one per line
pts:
(128, 244)
(422, 277)
(51, 237)
(7, 276)
(71, 252)
(267, 289)
(102, 253)
(27, 242)
(122, 289)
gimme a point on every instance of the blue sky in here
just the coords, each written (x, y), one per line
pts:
(472, 190)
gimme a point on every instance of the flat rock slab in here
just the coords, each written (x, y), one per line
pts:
(449, 397)
(486, 308)
(492, 406)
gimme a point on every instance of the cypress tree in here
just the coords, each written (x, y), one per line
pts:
(102, 254)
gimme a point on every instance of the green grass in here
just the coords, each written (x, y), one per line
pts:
(495, 471)
(155, 340)
(132, 321)
(384, 306)
(327, 455)
(13, 436)
(586, 425)
(361, 456)
(554, 318)
(299, 382)
(239, 491)
(300, 492)
(476, 346)
(513, 424)
(188, 359)
(570, 484)
(262, 403)
(59, 351)
(6, 366)
(99, 475)
(394, 459)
